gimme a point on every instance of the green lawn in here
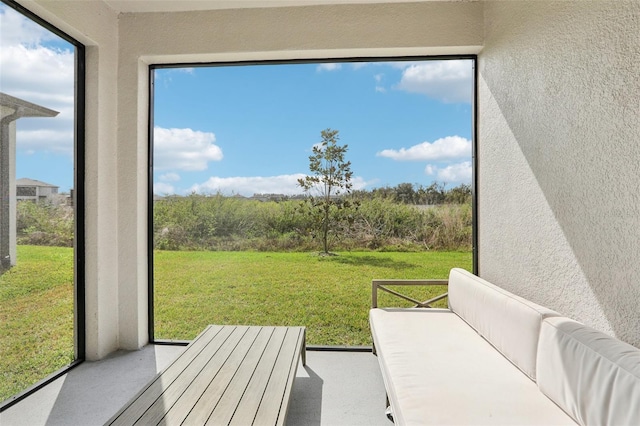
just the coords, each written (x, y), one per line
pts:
(331, 295)
(36, 317)
(328, 295)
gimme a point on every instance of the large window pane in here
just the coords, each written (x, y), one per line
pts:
(236, 237)
(38, 209)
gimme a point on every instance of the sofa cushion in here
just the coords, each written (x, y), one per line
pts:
(508, 322)
(594, 377)
(438, 371)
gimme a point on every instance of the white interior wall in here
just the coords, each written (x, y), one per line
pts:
(559, 174)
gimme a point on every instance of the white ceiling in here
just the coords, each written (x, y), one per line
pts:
(126, 6)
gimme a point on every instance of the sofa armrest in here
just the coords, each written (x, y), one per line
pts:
(382, 285)
(593, 377)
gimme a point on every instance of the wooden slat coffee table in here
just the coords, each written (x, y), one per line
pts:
(228, 375)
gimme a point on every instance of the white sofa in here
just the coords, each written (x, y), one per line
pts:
(496, 358)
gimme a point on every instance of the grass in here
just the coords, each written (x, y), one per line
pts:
(329, 295)
(36, 317)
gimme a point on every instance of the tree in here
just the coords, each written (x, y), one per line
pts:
(330, 179)
(405, 193)
(433, 194)
(461, 194)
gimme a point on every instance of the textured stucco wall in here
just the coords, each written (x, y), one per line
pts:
(559, 153)
(303, 32)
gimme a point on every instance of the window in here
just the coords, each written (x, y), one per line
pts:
(41, 208)
(232, 232)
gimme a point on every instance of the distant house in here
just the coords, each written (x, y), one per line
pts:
(35, 190)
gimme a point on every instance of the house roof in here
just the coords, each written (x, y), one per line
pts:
(27, 109)
(33, 182)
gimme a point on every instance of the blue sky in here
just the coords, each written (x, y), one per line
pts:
(250, 129)
(38, 66)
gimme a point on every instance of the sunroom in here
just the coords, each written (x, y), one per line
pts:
(556, 153)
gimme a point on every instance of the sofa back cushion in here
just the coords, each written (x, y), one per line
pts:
(510, 323)
(592, 376)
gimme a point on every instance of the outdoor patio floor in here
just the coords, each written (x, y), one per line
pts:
(335, 388)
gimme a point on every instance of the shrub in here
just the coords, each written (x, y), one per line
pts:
(44, 224)
(200, 222)
(215, 222)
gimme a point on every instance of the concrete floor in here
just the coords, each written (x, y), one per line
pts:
(335, 388)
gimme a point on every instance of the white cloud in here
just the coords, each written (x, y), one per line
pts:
(40, 74)
(403, 64)
(454, 173)
(328, 67)
(161, 188)
(249, 185)
(49, 140)
(359, 183)
(164, 76)
(169, 177)
(184, 149)
(448, 148)
(379, 87)
(16, 29)
(43, 74)
(449, 81)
